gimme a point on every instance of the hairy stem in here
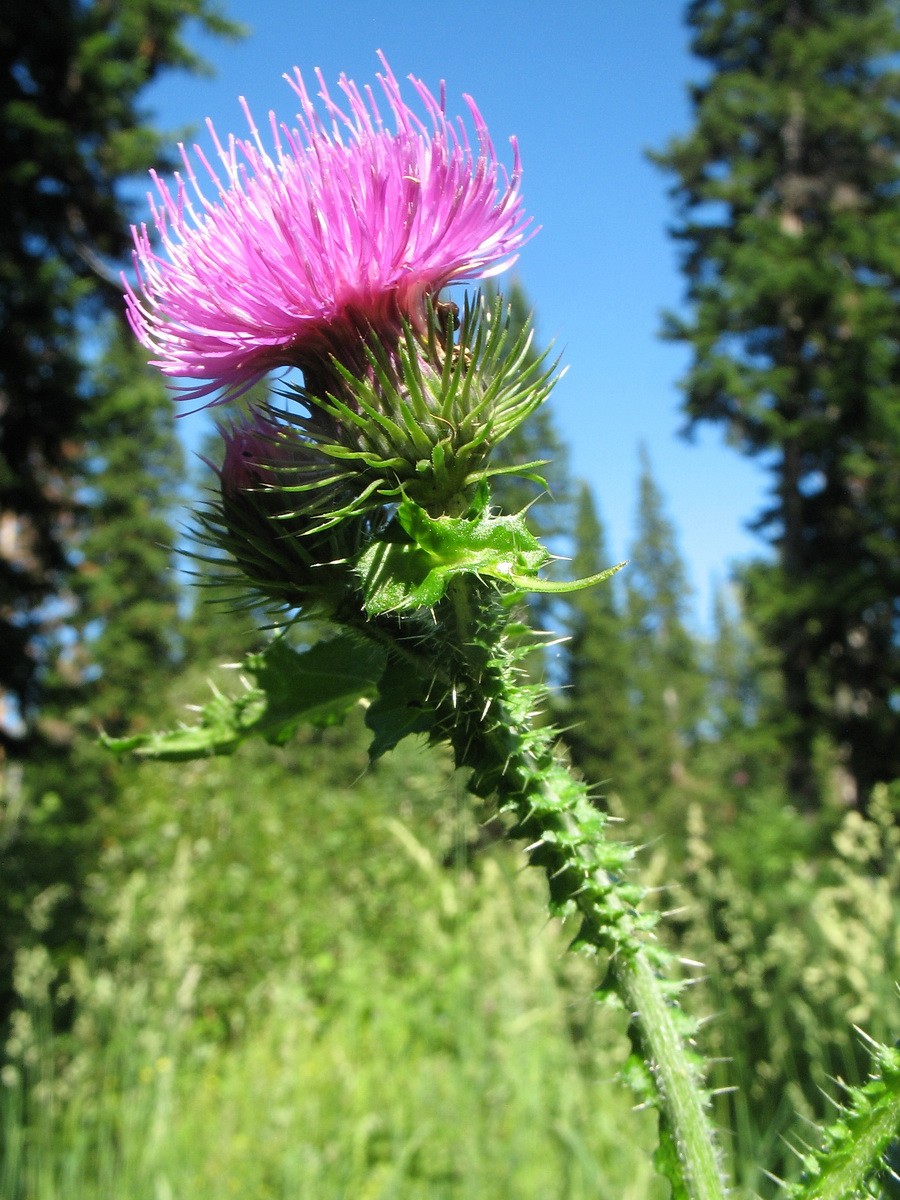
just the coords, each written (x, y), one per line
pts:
(491, 725)
(609, 921)
(681, 1094)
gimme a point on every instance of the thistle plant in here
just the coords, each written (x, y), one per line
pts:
(359, 493)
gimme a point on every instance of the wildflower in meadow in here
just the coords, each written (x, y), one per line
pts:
(344, 228)
(367, 502)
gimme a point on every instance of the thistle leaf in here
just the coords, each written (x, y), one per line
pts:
(565, 585)
(317, 685)
(411, 566)
(400, 709)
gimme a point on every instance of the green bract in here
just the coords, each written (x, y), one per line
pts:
(422, 417)
(317, 685)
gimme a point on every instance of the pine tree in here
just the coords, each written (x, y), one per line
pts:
(88, 455)
(121, 634)
(666, 684)
(787, 189)
(596, 695)
(71, 133)
(742, 747)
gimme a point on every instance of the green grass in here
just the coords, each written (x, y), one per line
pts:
(459, 1081)
(299, 994)
(304, 985)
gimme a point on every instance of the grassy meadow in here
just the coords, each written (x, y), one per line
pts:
(311, 978)
(304, 983)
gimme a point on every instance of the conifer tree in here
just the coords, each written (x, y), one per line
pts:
(597, 708)
(71, 133)
(787, 191)
(87, 448)
(666, 685)
(742, 747)
(121, 632)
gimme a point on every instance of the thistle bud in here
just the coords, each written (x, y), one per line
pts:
(419, 417)
(271, 517)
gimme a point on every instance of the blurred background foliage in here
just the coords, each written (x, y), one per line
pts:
(293, 974)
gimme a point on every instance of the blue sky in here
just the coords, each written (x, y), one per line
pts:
(586, 87)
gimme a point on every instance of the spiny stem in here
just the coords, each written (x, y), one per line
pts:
(853, 1148)
(681, 1095)
(564, 831)
(609, 923)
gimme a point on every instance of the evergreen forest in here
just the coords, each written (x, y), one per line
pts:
(295, 974)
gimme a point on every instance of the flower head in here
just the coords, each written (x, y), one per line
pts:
(272, 517)
(423, 414)
(261, 456)
(346, 227)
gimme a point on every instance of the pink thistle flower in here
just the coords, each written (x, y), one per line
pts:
(346, 228)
